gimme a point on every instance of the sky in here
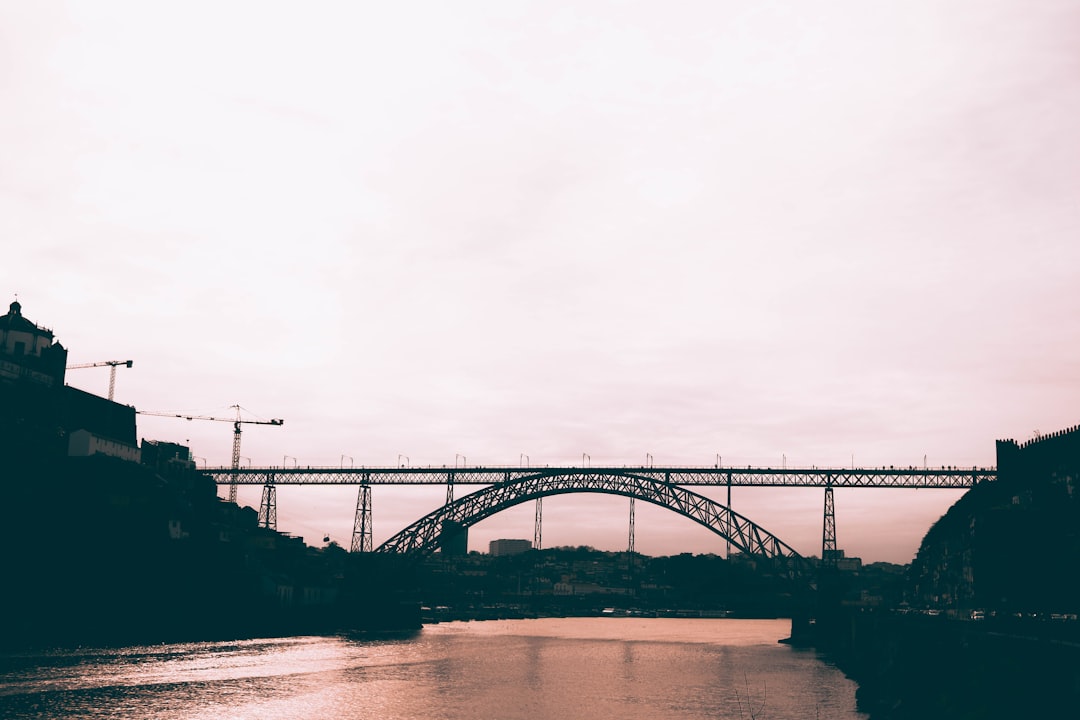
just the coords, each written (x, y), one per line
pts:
(812, 234)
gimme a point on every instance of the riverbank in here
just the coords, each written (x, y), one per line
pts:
(913, 666)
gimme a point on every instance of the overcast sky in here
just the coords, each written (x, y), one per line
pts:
(815, 233)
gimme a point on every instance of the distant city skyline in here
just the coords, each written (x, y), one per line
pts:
(822, 235)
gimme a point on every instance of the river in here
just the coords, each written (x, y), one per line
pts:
(546, 669)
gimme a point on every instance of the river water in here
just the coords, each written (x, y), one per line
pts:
(547, 669)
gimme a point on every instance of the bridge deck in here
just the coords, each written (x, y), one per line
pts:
(949, 478)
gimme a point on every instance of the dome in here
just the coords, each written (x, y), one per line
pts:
(14, 321)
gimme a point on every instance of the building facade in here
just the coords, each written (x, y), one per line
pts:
(508, 547)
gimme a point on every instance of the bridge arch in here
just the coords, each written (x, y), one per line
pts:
(423, 536)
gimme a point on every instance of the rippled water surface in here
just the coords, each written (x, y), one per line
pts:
(627, 668)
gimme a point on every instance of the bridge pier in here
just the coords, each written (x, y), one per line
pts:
(361, 537)
(728, 536)
(828, 532)
(538, 523)
(268, 505)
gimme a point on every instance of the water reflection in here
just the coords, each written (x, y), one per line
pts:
(539, 669)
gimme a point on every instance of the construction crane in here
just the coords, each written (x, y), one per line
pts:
(237, 422)
(112, 372)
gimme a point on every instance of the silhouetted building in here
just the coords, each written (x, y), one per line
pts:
(28, 353)
(162, 456)
(508, 547)
(840, 562)
(37, 410)
(98, 426)
(32, 369)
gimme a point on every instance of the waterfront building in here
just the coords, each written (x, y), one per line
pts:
(508, 547)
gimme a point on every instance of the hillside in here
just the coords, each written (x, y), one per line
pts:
(1012, 545)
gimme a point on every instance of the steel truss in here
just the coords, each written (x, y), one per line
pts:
(951, 478)
(423, 536)
(361, 537)
(268, 505)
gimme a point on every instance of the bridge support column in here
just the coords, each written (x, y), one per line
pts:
(630, 545)
(361, 535)
(828, 532)
(538, 525)
(728, 556)
(268, 505)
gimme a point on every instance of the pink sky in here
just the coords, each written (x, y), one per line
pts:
(814, 233)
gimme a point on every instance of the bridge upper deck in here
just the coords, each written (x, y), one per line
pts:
(947, 478)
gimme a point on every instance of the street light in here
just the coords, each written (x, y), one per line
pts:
(286, 458)
(350, 460)
(526, 458)
(586, 458)
(399, 460)
(463, 460)
(648, 460)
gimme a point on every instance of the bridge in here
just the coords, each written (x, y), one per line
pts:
(505, 487)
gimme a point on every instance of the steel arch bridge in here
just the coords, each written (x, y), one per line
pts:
(605, 479)
(423, 536)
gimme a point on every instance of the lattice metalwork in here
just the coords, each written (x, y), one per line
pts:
(361, 536)
(422, 537)
(948, 478)
(538, 525)
(268, 506)
(235, 457)
(828, 532)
